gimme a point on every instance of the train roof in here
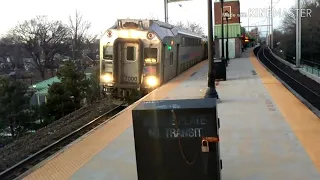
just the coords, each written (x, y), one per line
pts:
(162, 29)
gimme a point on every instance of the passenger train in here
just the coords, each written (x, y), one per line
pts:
(141, 55)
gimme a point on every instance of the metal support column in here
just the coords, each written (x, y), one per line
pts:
(222, 33)
(166, 11)
(227, 42)
(271, 20)
(268, 33)
(298, 34)
(211, 91)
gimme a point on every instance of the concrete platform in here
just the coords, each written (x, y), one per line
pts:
(262, 136)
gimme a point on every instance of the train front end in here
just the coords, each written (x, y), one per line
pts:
(129, 59)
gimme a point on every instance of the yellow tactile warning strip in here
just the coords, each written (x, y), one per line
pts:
(65, 164)
(302, 121)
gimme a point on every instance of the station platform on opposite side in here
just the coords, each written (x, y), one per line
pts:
(266, 132)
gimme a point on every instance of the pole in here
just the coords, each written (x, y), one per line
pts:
(248, 25)
(211, 91)
(166, 11)
(248, 31)
(271, 25)
(227, 43)
(268, 27)
(300, 42)
(298, 34)
(222, 33)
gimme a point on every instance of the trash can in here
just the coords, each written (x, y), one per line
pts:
(172, 140)
(220, 69)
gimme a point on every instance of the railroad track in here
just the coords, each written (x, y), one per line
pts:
(311, 95)
(23, 166)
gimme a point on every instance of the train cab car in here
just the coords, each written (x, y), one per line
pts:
(141, 55)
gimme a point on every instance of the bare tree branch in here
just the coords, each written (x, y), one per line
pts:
(195, 27)
(42, 39)
(79, 35)
(191, 26)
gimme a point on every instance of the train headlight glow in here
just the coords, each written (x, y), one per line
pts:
(152, 81)
(107, 77)
(134, 34)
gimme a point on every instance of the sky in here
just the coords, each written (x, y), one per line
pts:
(103, 13)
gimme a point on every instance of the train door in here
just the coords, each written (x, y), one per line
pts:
(172, 66)
(177, 60)
(163, 63)
(166, 65)
(129, 68)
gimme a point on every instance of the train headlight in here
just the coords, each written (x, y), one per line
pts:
(107, 77)
(151, 81)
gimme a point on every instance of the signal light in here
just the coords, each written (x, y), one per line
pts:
(169, 48)
(109, 33)
(150, 35)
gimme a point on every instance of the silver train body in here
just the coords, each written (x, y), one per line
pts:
(141, 55)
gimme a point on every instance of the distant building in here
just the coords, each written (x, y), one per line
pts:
(41, 90)
(234, 28)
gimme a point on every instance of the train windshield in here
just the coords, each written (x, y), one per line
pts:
(130, 25)
(107, 52)
(150, 54)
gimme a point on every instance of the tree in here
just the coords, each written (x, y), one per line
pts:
(254, 33)
(12, 53)
(43, 40)
(310, 26)
(153, 17)
(66, 96)
(191, 26)
(93, 92)
(74, 81)
(59, 102)
(5, 52)
(15, 112)
(80, 39)
(277, 37)
(195, 27)
(243, 30)
(180, 24)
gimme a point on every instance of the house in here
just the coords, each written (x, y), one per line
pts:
(41, 90)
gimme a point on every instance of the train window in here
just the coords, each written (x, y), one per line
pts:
(183, 42)
(150, 54)
(131, 53)
(171, 58)
(107, 52)
(130, 25)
